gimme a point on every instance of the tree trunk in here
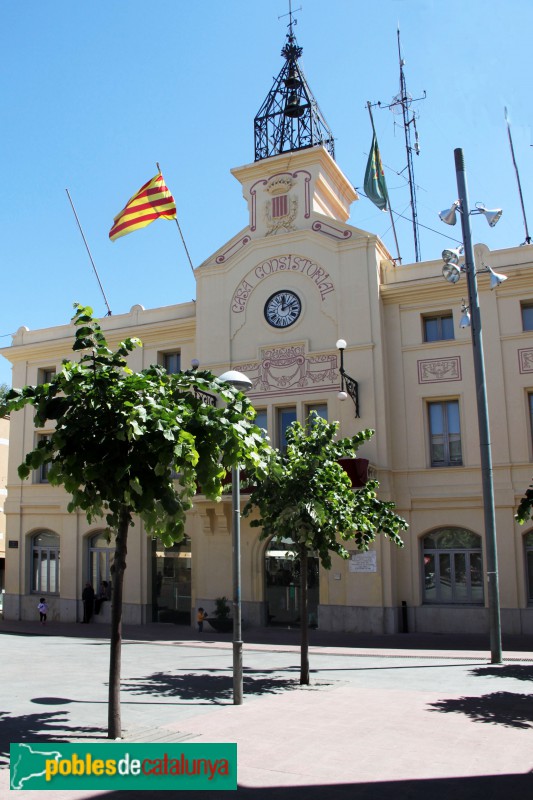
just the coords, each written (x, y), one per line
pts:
(304, 618)
(114, 726)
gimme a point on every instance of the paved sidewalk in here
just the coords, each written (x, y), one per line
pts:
(402, 716)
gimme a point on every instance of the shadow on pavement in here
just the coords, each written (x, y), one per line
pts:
(486, 787)
(499, 708)
(51, 726)
(207, 686)
(521, 672)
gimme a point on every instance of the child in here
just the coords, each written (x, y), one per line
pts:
(43, 610)
(200, 619)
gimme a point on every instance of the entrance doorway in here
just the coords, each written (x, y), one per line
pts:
(282, 586)
(171, 582)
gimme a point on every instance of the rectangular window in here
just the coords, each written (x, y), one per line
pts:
(438, 328)
(526, 309)
(530, 402)
(44, 469)
(320, 409)
(46, 374)
(172, 362)
(261, 419)
(527, 316)
(286, 416)
(445, 434)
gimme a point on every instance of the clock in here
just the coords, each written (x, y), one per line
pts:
(283, 309)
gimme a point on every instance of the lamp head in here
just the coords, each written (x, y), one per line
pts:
(492, 216)
(451, 272)
(496, 278)
(342, 396)
(449, 215)
(465, 319)
(341, 344)
(194, 363)
(452, 256)
(237, 379)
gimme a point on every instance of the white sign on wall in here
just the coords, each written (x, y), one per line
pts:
(363, 562)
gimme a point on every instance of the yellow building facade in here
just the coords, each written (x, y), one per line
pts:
(4, 454)
(272, 303)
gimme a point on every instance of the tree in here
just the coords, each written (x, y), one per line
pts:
(525, 509)
(4, 391)
(307, 498)
(120, 437)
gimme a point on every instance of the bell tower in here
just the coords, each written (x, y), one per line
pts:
(290, 118)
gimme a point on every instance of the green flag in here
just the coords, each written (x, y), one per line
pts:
(375, 186)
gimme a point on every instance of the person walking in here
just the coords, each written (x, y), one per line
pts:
(43, 610)
(87, 597)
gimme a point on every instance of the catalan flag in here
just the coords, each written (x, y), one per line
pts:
(153, 200)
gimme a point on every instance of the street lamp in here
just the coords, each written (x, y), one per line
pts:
(349, 386)
(242, 383)
(471, 314)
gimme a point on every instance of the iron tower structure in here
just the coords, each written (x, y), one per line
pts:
(290, 118)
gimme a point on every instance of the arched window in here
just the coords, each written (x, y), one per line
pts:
(528, 545)
(452, 566)
(101, 554)
(45, 562)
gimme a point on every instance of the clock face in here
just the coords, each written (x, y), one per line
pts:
(282, 309)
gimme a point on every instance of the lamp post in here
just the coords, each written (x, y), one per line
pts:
(242, 383)
(482, 409)
(349, 386)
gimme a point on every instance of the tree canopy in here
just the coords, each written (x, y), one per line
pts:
(307, 500)
(120, 437)
(307, 496)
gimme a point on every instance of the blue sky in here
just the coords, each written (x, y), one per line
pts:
(93, 94)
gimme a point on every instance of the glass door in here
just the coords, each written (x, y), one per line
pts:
(282, 586)
(171, 582)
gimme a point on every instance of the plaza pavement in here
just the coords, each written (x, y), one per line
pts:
(400, 716)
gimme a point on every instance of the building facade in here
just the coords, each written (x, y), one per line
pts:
(4, 454)
(272, 302)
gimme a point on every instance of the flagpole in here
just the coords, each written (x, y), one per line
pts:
(179, 229)
(399, 259)
(109, 313)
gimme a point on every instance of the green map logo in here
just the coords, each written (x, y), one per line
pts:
(119, 765)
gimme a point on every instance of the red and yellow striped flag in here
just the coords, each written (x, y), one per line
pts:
(153, 200)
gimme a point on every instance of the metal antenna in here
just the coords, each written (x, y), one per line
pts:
(528, 237)
(401, 104)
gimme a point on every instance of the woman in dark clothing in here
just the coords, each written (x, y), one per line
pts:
(88, 602)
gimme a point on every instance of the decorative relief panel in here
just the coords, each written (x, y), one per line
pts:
(279, 185)
(290, 368)
(435, 370)
(525, 360)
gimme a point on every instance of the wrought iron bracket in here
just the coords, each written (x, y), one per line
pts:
(348, 383)
(352, 387)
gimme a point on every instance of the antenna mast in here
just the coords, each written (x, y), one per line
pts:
(528, 237)
(401, 104)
